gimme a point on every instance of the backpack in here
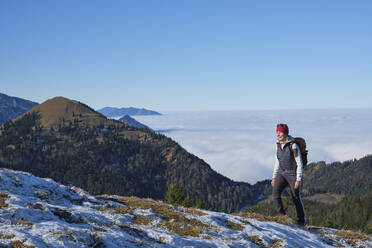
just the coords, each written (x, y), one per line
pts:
(302, 145)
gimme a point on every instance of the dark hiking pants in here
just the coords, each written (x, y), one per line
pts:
(281, 182)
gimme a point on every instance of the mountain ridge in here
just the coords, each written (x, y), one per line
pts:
(11, 107)
(132, 122)
(131, 111)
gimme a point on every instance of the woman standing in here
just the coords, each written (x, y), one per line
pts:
(287, 172)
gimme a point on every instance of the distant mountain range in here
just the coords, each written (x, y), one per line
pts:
(111, 112)
(73, 144)
(12, 107)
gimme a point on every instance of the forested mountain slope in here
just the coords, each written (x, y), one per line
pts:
(71, 143)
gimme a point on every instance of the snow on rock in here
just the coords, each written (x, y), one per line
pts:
(36, 212)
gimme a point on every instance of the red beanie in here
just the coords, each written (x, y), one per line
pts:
(282, 128)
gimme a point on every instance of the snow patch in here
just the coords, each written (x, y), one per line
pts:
(43, 213)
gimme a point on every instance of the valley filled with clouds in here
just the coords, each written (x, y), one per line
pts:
(241, 144)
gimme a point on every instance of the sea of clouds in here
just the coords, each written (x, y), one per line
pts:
(241, 144)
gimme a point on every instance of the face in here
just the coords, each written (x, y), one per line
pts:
(281, 136)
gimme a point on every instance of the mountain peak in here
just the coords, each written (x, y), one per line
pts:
(60, 109)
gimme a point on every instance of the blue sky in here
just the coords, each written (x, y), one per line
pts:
(189, 55)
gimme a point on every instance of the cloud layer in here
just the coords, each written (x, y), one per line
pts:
(241, 144)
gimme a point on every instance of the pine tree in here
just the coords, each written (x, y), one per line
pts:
(175, 195)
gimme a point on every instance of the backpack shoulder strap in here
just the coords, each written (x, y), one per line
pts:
(290, 146)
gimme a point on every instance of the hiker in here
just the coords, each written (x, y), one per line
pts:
(287, 172)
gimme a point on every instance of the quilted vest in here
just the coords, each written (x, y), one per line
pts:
(286, 158)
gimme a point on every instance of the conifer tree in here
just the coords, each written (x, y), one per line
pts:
(175, 195)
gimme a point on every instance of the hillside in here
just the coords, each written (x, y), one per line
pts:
(337, 195)
(69, 142)
(348, 178)
(331, 182)
(11, 107)
(38, 212)
(353, 212)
